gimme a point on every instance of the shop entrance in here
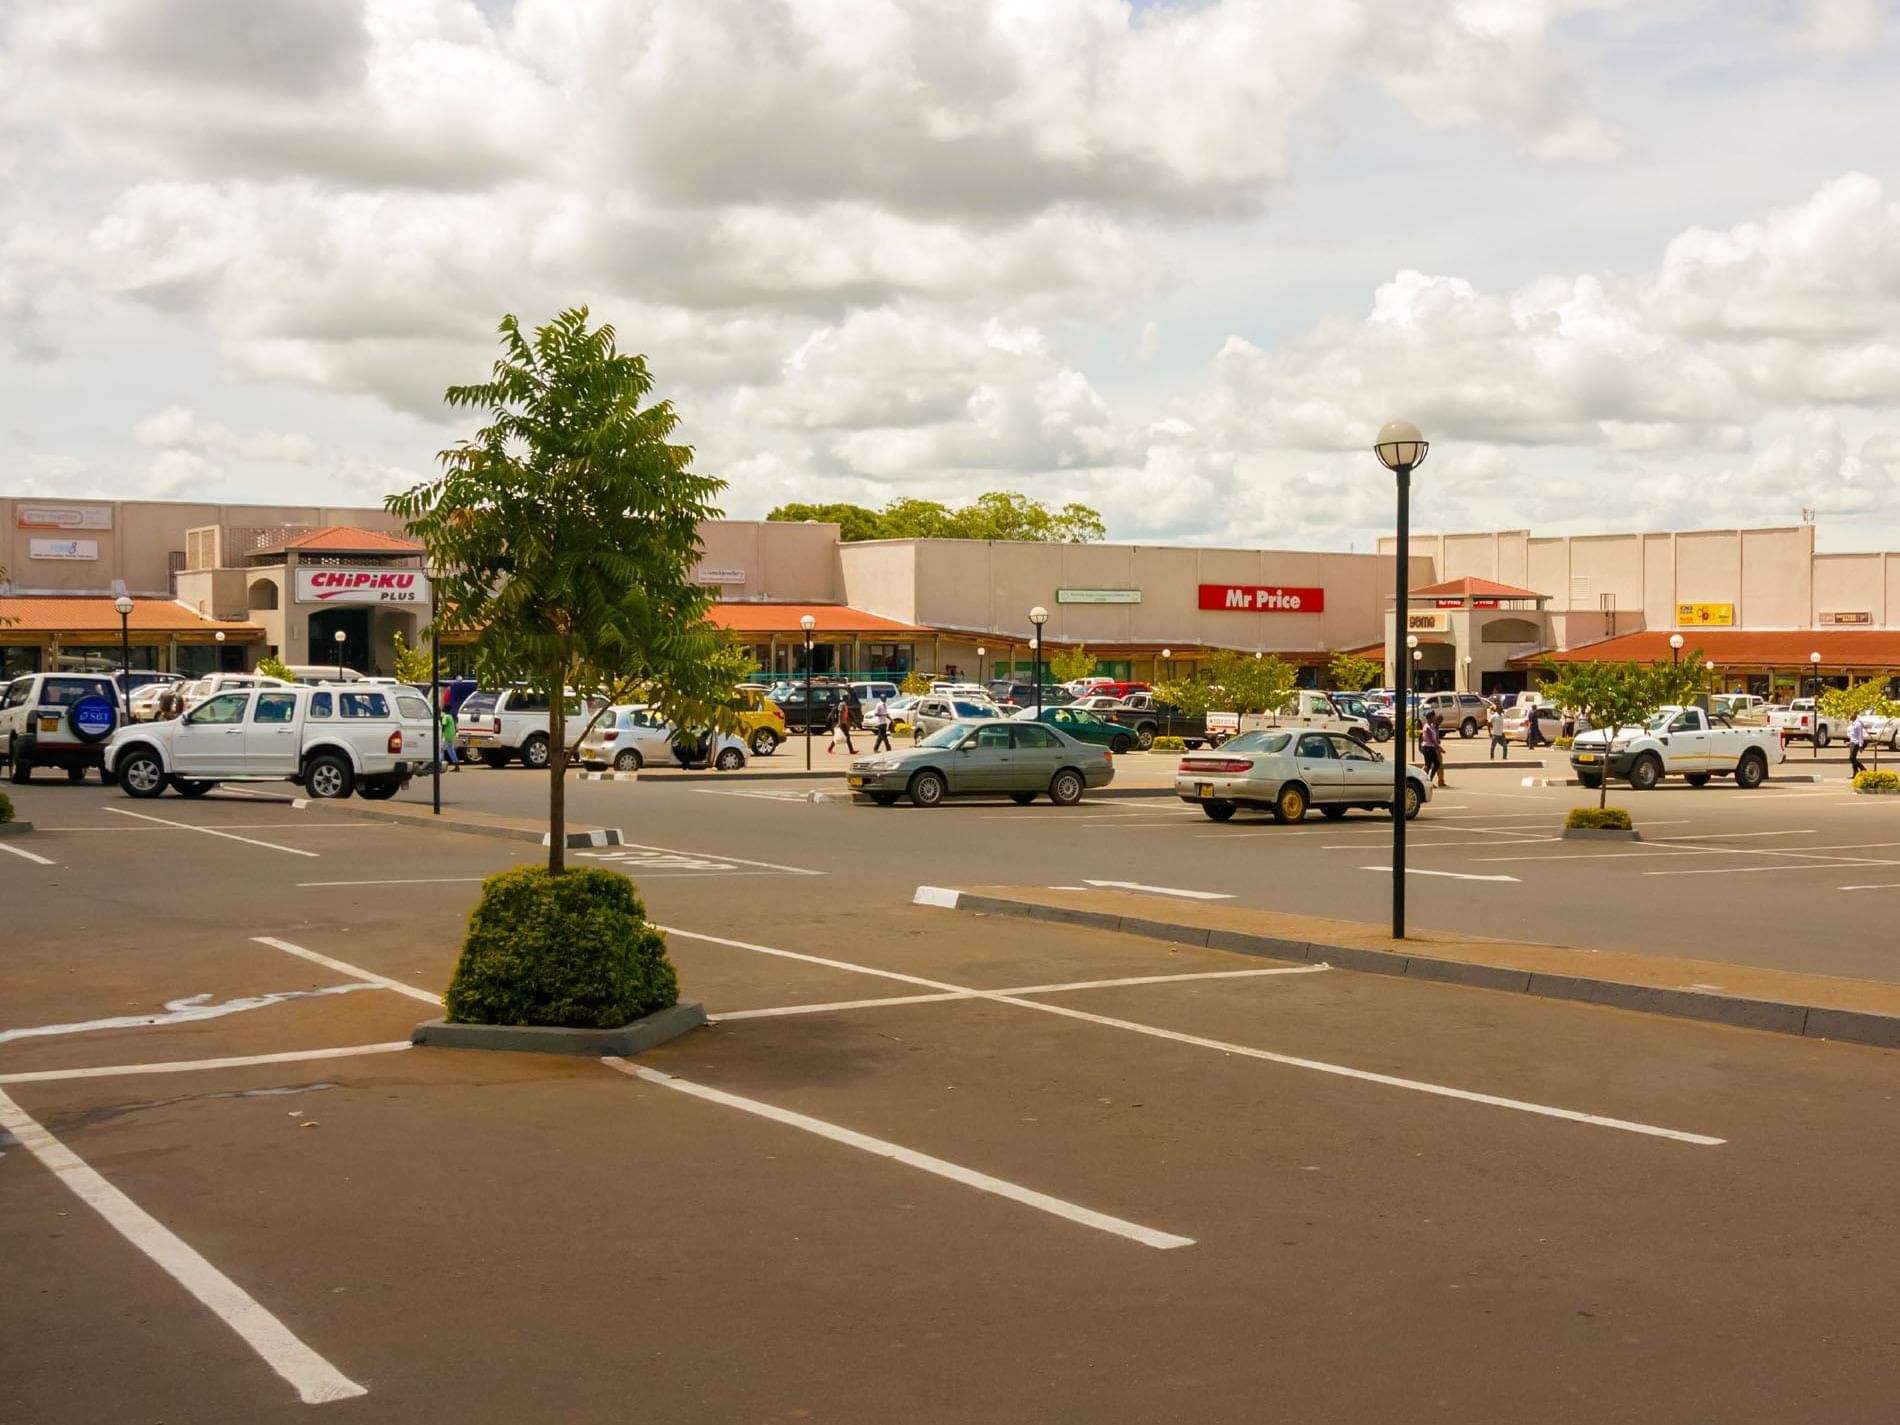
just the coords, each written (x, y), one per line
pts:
(354, 624)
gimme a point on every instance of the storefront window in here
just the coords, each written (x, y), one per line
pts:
(895, 659)
(103, 658)
(18, 658)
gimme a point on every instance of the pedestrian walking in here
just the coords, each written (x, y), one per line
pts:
(1432, 747)
(841, 727)
(881, 724)
(449, 759)
(1533, 737)
(1494, 724)
(1856, 740)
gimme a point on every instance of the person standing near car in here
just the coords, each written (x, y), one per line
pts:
(841, 725)
(881, 724)
(1494, 724)
(449, 759)
(1432, 748)
(1856, 741)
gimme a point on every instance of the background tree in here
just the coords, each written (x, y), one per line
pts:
(1612, 696)
(1065, 665)
(413, 665)
(1850, 702)
(1251, 684)
(567, 531)
(1355, 674)
(1191, 697)
(271, 666)
(915, 684)
(999, 514)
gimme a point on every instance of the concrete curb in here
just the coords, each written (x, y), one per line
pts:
(1599, 833)
(15, 828)
(655, 1029)
(606, 776)
(608, 837)
(1881, 1031)
(1573, 782)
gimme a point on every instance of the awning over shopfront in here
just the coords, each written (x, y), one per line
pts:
(93, 619)
(1876, 650)
(1475, 589)
(831, 621)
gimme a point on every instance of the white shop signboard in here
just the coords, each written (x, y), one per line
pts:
(346, 585)
(63, 548)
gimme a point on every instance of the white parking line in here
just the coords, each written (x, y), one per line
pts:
(208, 831)
(1832, 864)
(316, 1381)
(1880, 886)
(26, 855)
(181, 1066)
(408, 881)
(345, 967)
(1448, 875)
(1315, 1065)
(911, 1158)
(618, 853)
(189, 1009)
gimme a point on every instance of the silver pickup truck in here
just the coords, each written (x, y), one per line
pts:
(1677, 742)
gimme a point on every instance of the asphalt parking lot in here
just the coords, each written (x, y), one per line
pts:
(927, 1166)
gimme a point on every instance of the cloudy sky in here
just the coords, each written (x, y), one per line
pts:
(1630, 264)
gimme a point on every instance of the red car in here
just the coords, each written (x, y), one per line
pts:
(1116, 690)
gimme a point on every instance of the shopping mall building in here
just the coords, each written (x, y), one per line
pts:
(218, 586)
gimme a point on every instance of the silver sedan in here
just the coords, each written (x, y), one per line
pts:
(1287, 771)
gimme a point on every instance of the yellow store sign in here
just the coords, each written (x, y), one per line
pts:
(1705, 615)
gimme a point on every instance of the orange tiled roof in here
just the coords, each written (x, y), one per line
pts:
(347, 539)
(54, 613)
(1877, 648)
(833, 619)
(1475, 589)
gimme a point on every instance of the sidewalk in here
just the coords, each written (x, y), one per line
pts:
(1778, 1001)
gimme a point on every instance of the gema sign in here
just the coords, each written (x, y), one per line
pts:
(342, 584)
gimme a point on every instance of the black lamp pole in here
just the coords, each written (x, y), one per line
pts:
(125, 642)
(1038, 616)
(806, 624)
(435, 719)
(1400, 448)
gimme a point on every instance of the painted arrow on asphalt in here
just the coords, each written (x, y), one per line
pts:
(1449, 875)
(1166, 890)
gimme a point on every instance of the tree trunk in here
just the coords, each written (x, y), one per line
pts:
(557, 789)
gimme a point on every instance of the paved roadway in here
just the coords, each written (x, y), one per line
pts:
(961, 1206)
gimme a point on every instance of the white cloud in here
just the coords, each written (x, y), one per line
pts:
(177, 428)
(1838, 26)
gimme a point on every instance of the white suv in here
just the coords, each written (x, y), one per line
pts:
(332, 740)
(58, 720)
(514, 723)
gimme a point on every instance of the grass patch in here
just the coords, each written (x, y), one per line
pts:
(1598, 819)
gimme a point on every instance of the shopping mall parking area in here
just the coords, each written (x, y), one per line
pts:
(925, 1164)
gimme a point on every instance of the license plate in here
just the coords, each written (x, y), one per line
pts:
(1586, 757)
(854, 781)
(1203, 789)
(49, 724)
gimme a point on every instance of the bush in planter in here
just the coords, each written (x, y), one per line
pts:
(1865, 782)
(1598, 819)
(6, 807)
(573, 949)
(1167, 744)
(1563, 744)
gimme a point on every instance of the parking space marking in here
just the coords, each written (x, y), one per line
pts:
(1163, 890)
(624, 853)
(344, 967)
(780, 1011)
(406, 881)
(222, 826)
(1315, 1065)
(26, 855)
(315, 1380)
(760, 796)
(910, 1157)
(181, 1066)
(189, 1009)
(1448, 875)
(1878, 886)
(1833, 863)
(209, 831)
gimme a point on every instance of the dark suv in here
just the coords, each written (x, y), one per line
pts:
(1023, 695)
(825, 696)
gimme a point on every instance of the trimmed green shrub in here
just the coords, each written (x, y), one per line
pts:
(1598, 819)
(573, 950)
(1563, 744)
(1168, 744)
(1865, 782)
(6, 807)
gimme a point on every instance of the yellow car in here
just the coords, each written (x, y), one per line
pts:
(762, 720)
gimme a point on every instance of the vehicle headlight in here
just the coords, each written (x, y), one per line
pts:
(886, 765)
(1622, 744)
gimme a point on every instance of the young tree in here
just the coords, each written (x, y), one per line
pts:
(1191, 697)
(271, 666)
(1065, 665)
(412, 664)
(915, 684)
(1612, 696)
(1850, 702)
(567, 530)
(1353, 674)
(1250, 683)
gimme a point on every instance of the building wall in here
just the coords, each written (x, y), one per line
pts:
(788, 563)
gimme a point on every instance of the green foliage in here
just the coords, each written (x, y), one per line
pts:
(566, 533)
(1168, 744)
(571, 949)
(271, 666)
(1065, 665)
(1598, 819)
(6, 807)
(1191, 697)
(1000, 514)
(412, 664)
(1353, 674)
(1850, 702)
(1563, 744)
(1618, 695)
(915, 684)
(1251, 683)
(1865, 782)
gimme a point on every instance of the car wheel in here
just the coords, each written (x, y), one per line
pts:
(1022, 799)
(627, 760)
(494, 760)
(378, 791)
(1144, 739)
(1821, 737)
(927, 789)
(730, 759)
(1751, 771)
(190, 786)
(1468, 728)
(1357, 734)
(1218, 811)
(1119, 745)
(1645, 772)
(1332, 813)
(1290, 805)
(19, 765)
(141, 774)
(1193, 744)
(1697, 779)
(75, 774)
(884, 799)
(1592, 780)
(534, 752)
(764, 742)
(1414, 800)
(1066, 787)
(328, 777)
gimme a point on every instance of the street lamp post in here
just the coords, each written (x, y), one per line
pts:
(123, 607)
(1814, 683)
(1675, 649)
(1038, 616)
(808, 623)
(1401, 449)
(1167, 657)
(338, 637)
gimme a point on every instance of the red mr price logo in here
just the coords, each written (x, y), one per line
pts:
(330, 583)
(1262, 599)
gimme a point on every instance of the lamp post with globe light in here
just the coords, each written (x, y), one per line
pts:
(807, 623)
(123, 606)
(1038, 616)
(339, 637)
(1814, 664)
(1401, 449)
(1675, 649)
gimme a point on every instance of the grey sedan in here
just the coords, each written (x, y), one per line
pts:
(1285, 772)
(991, 757)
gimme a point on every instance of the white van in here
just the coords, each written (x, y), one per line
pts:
(498, 727)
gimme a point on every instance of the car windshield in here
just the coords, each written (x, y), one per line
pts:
(1257, 742)
(946, 736)
(476, 704)
(974, 710)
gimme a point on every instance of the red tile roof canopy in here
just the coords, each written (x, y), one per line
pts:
(347, 539)
(1475, 589)
(832, 620)
(60, 614)
(1872, 649)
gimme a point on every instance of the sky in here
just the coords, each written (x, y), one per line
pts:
(1630, 264)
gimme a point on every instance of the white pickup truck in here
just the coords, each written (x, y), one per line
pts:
(332, 740)
(1677, 742)
(1307, 709)
(1803, 722)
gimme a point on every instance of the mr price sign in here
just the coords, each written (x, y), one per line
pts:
(362, 586)
(1262, 599)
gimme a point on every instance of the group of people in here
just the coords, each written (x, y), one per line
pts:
(848, 714)
(1431, 738)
